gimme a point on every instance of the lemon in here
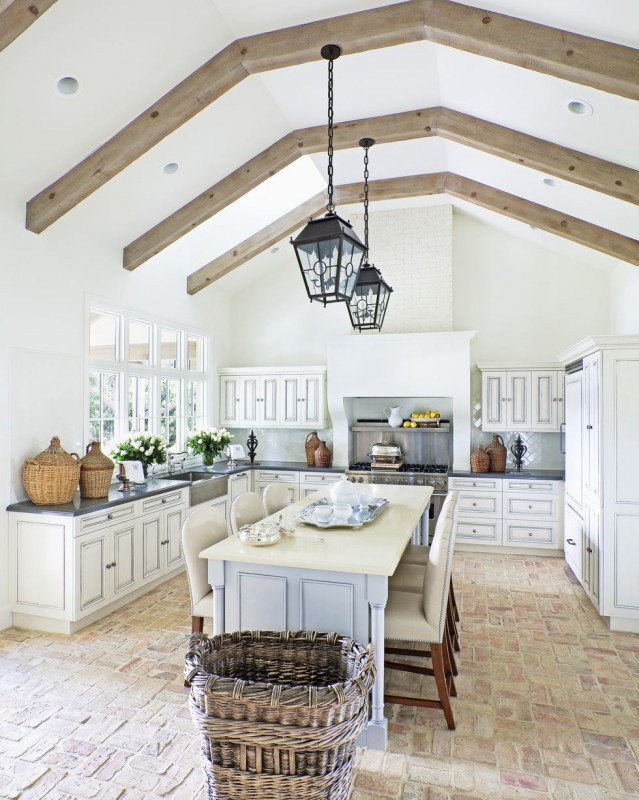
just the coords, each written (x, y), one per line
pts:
(413, 424)
(407, 424)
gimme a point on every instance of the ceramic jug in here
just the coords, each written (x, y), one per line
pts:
(395, 419)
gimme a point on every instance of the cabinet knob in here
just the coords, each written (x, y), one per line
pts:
(554, 399)
(474, 530)
(503, 399)
(109, 516)
(588, 427)
(108, 566)
(474, 504)
(530, 533)
(571, 541)
(561, 399)
(163, 500)
(510, 399)
(588, 549)
(529, 506)
(474, 484)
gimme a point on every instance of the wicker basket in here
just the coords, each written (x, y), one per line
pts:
(497, 453)
(322, 455)
(479, 460)
(278, 712)
(51, 478)
(310, 445)
(96, 472)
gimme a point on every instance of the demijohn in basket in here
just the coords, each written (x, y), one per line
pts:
(52, 477)
(96, 472)
(497, 452)
(311, 445)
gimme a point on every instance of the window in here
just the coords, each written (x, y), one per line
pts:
(144, 376)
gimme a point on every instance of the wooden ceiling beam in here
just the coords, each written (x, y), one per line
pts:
(576, 230)
(561, 162)
(412, 186)
(604, 65)
(17, 15)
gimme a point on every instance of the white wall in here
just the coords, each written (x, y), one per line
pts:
(624, 299)
(46, 282)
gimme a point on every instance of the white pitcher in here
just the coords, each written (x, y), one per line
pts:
(395, 419)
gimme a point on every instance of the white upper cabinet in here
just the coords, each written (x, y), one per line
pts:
(521, 397)
(290, 397)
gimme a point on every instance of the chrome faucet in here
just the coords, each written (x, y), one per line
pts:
(171, 457)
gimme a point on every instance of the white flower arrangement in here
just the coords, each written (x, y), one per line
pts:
(149, 449)
(209, 442)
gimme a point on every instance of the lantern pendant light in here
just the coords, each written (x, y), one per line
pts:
(328, 250)
(367, 307)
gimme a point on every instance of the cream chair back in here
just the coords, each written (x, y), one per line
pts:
(276, 497)
(203, 528)
(246, 509)
(439, 566)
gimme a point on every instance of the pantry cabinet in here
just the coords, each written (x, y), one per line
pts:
(521, 397)
(281, 397)
(602, 491)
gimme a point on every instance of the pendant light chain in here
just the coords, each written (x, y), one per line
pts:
(330, 207)
(366, 197)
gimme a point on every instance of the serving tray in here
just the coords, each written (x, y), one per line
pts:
(356, 520)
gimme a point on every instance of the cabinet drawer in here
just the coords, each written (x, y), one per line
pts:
(470, 504)
(107, 516)
(319, 478)
(273, 476)
(163, 500)
(488, 531)
(548, 487)
(535, 506)
(481, 484)
(523, 535)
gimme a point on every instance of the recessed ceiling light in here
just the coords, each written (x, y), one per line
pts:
(579, 107)
(275, 249)
(170, 168)
(551, 182)
(68, 85)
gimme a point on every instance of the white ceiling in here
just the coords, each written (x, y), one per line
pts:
(127, 55)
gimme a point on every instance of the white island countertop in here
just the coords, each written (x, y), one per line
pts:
(373, 549)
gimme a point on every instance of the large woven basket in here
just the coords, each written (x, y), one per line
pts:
(51, 478)
(278, 712)
(96, 472)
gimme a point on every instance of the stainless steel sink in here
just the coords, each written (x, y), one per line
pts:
(204, 485)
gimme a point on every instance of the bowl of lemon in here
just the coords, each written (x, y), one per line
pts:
(423, 419)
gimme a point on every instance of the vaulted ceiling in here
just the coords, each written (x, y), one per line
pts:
(470, 104)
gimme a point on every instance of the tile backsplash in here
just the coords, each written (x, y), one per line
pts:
(280, 444)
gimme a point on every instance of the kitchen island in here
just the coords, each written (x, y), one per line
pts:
(323, 579)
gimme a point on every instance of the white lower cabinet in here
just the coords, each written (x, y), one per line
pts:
(311, 482)
(263, 477)
(509, 512)
(65, 569)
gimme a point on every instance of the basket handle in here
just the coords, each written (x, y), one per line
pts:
(501, 441)
(32, 462)
(75, 455)
(309, 436)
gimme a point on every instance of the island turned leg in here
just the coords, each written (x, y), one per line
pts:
(377, 731)
(216, 579)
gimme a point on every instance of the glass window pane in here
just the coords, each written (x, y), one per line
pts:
(103, 336)
(195, 406)
(139, 404)
(169, 409)
(195, 353)
(103, 407)
(169, 348)
(140, 338)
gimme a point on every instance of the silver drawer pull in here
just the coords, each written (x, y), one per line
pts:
(570, 541)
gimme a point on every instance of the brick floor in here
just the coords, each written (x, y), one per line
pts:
(548, 703)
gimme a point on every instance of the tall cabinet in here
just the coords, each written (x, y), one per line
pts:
(601, 533)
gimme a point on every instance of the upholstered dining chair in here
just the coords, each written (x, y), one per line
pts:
(203, 528)
(422, 618)
(275, 497)
(407, 578)
(245, 510)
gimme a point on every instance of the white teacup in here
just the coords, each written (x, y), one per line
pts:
(323, 513)
(342, 511)
(364, 500)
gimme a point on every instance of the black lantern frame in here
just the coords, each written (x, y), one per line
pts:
(367, 307)
(329, 252)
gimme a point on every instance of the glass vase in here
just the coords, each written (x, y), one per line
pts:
(208, 457)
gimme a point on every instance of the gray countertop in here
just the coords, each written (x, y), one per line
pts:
(524, 475)
(153, 486)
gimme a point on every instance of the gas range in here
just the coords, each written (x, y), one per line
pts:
(435, 475)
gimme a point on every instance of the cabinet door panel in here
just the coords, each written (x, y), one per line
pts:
(311, 391)
(269, 400)
(573, 541)
(238, 484)
(591, 553)
(124, 557)
(151, 548)
(574, 436)
(93, 560)
(291, 400)
(493, 411)
(518, 413)
(229, 400)
(248, 400)
(174, 544)
(545, 401)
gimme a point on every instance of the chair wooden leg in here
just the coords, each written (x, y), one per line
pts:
(444, 684)
(197, 624)
(453, 600)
